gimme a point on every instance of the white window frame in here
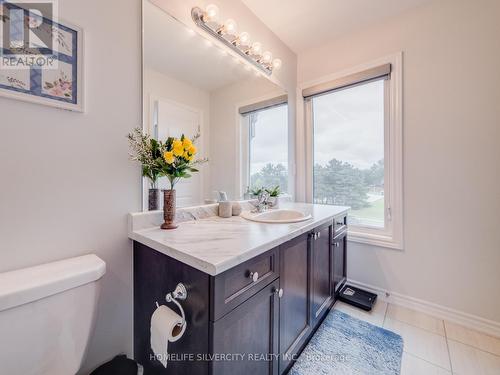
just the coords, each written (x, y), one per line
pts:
(243, 145)
(391, 236)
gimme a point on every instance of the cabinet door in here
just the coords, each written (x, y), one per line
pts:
(248, 336)
(339, 261)
(322, 291)
(295, 319)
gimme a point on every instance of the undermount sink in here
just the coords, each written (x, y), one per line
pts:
(276, 216)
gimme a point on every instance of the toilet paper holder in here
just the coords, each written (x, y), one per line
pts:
(179, 293)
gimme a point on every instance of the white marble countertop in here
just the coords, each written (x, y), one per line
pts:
(214, 245)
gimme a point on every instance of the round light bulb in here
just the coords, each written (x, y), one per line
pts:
(211, 13)
(256, 48)
(267, 57)
(244, 39)
(230, 27)
(276, 63)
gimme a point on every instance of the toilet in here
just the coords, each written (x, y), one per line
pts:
(47, 315)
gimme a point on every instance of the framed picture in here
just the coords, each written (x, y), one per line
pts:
(49, 73)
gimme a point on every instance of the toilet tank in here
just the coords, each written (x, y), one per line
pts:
(47, 316)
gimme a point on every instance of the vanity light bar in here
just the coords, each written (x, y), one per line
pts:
(226, 32)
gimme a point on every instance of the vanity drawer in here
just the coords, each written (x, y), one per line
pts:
(339, 224)
(235, 286)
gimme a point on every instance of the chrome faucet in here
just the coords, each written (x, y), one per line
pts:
(262, 201)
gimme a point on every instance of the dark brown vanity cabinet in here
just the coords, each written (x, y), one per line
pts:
(295, 316)
(254, 318)
(248, 336)
(339, 261)
(339, 248)
(322, 268)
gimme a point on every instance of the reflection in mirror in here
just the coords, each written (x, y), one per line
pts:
(191, 83)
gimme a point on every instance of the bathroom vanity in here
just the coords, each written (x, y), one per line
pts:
(256, 292)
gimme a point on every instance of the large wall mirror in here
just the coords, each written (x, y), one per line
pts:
(191, 83)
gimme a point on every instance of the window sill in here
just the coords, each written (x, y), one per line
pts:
(373, 239)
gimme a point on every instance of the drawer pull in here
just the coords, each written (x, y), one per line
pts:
(279, 292)
(254, 276)
(336, 244)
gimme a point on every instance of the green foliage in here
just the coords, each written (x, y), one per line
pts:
(341, 183)
(146, 151)
(151, 154)
(375, 175)
(179, 162)
(271, 175)
(274, 192)
(256, 191)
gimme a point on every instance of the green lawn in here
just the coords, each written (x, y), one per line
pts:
(374, 211)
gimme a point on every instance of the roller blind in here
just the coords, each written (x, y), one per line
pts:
(279, 100)
(379, 72)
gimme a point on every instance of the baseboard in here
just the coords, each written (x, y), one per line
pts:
(477, 323)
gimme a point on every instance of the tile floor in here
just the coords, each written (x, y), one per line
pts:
(433, 346)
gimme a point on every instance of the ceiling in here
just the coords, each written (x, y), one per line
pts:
(303, 24)
(176, 51)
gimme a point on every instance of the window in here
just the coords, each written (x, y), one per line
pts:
(267, 132)
(355, 161)
(349, 152)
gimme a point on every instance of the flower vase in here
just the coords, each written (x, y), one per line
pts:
(154, 199)
(169, 209)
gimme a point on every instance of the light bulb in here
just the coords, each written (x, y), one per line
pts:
(211, 13)
(276, 63)
(267, 57)
(244, 39)
(256, 48)
(230, 27)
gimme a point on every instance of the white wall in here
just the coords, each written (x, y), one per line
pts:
(158, 85)
(451, 152)
(67, 184)
(66, 181)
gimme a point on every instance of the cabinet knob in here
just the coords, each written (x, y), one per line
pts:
(336, 244)
(279, 292)
(254, 276)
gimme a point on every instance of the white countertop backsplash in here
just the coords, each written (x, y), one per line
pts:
(212, 244)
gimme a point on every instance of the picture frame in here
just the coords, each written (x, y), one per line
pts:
(61, 87)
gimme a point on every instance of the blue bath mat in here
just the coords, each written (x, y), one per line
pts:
(349, 346)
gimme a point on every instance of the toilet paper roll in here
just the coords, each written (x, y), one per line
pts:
(166, 326)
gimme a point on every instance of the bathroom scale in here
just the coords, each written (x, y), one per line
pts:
(357, 297)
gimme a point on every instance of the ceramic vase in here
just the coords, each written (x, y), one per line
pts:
(154, 199)
(169, 209)
(274, 202)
